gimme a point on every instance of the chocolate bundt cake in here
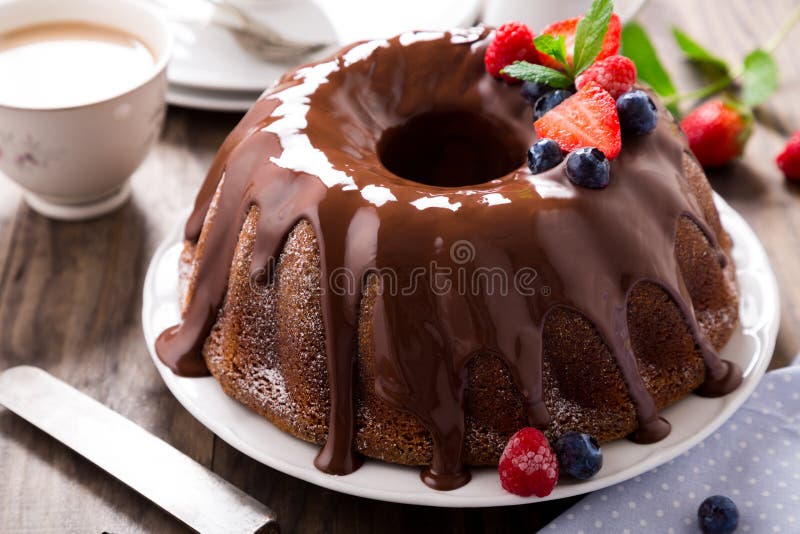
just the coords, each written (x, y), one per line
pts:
(371, 266)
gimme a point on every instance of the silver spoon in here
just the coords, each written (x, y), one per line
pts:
(259, 39)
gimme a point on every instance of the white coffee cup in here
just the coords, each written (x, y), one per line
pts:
(74, 162)
(539, 14)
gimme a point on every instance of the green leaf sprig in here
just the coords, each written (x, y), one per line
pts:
(696, 53)
(590, 33)
(637, 46)
(555, 47)
(589, 36)
(531, 72)
(760, 77)
(745, 86)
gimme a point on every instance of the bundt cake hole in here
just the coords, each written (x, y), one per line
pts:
(451, 148)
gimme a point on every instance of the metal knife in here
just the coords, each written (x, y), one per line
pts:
(166, 476)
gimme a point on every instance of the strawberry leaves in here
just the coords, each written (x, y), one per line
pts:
(698, 54)
(759, 79)
(754, 80)
(758, 73)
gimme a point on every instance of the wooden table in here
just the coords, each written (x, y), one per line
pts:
(70, 301)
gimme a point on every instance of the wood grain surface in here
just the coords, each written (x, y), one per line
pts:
(70, 301)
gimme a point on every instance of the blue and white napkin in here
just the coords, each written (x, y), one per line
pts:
(754, 459)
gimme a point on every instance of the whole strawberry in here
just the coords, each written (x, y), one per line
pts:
(513, 41)
(789, 160)
(528, 465)
(568, 29)
(717, 132)
(615, 74)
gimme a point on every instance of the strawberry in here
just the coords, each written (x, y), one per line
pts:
(789, 160)
(615, 74)
(717, 132)
(528, 465)
(586, 119)
(567, 29)
(513, 41)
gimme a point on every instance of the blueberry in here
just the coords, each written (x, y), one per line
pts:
(579, 455)
(544, 154)
(637, 112)
(531, 91)
(588, 167)
(548, 101)
(718, 515)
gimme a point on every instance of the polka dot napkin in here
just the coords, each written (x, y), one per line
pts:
(754, 459)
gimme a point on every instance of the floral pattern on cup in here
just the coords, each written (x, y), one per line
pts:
(25, 152)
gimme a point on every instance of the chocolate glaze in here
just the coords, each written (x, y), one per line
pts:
(309, 150)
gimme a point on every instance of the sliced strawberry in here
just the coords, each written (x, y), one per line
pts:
(613, 39)
(586, 119)
(568, 27)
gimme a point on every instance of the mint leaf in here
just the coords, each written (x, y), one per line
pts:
(700, 55)
(637, 46)
(589, 34)
(760, 78)
(529, 72)
(555, 47)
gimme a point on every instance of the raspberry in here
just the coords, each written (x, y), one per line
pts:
(513, 41)
(528, 465)
(586, 119)
(615, 74)
(568, 27)
(789, 160)
(717, 133)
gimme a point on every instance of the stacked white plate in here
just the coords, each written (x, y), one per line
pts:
(210, 70)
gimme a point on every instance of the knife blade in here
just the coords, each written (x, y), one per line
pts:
(184, 488)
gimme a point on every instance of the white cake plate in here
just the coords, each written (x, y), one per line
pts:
(693, 419)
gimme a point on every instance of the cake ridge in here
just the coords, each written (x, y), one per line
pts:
(425, 341)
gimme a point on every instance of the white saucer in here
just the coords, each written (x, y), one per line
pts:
(79, 212)
(693, 419)
(196, 98)
(208, 58)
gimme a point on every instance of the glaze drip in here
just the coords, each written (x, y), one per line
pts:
(309, 150)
